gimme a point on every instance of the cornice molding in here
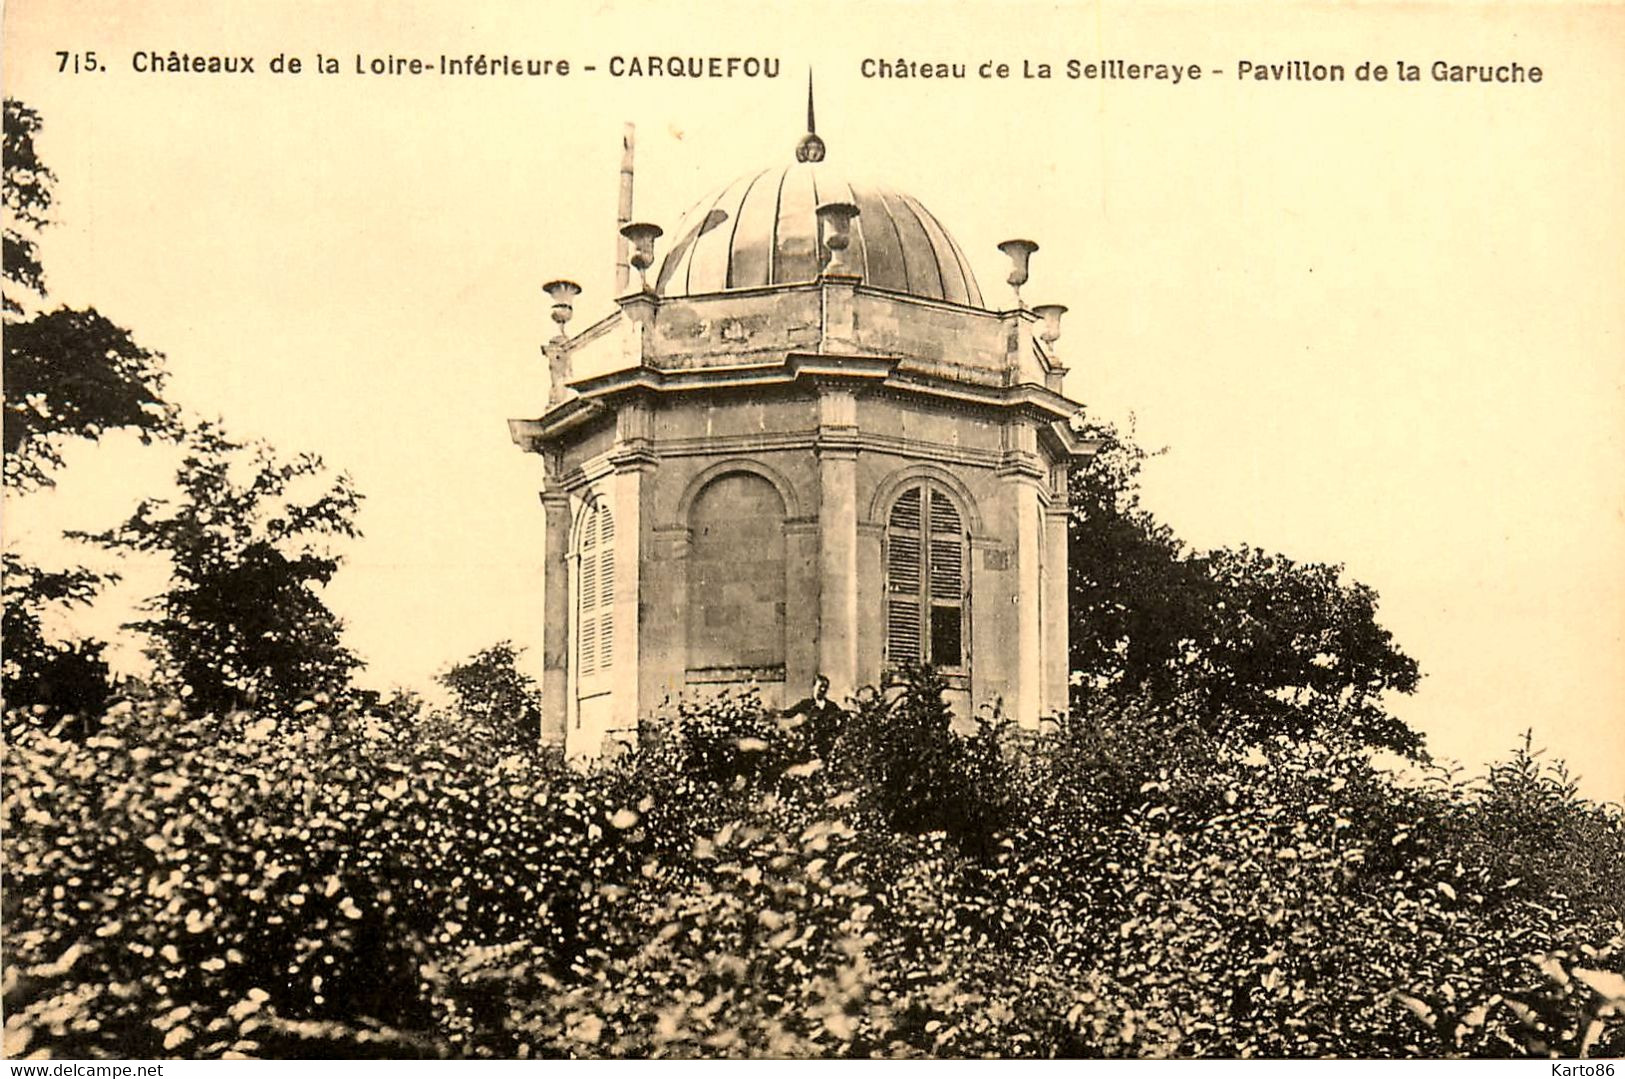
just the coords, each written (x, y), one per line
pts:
(597, 394)
(635, 456)
(733, 446)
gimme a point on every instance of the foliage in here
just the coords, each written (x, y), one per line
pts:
(56, 679)
(74, 374)
(357, 883)
(249, 542)
(27, 201)
(1244, 636)
(920, 774)
(68, 374)
(493, 696)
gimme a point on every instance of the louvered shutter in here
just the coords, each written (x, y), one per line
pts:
(903, 563)
(903, 627)
(587, 596)
(906, 512)
(925, 579)
(606, 597)
(903, 551)
(947, 569)
(595, 595)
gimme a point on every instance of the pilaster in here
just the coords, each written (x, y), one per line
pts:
(838, 538)
(1057, 648)
(555, 616)
(557, 353)
(630, 493)
(802, 658)
(1022, 363)
(871, 608)
(663, 638)
(1024, 477)
(1028, 657)
(838, 314)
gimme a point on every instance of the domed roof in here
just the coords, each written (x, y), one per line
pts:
(762, 229)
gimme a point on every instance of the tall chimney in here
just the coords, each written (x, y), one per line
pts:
(623, 213)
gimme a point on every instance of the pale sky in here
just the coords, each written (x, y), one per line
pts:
(1376, 324)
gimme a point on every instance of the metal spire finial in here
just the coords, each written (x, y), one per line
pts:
(811, 148)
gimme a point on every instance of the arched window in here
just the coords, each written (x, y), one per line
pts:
(736, 583)
(595, 592)
(925, 579)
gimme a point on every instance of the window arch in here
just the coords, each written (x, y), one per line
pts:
(595, 592)
(736, 575)
(926, 586)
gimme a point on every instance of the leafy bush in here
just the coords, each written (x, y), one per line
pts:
(65, 682)
(493, 697)
(918, 773)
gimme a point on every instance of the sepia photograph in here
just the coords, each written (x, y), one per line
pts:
(792, 531)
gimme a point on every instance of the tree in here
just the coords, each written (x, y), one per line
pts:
(73, 374)
(249, 542)
(68, 374)
(1135, 599)
(1245, 638)
(1294, 647)
(493, 694)
(27, 199)
(56, 679)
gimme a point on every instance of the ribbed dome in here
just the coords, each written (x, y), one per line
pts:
(762, 229)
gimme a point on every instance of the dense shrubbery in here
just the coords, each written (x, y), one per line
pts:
(1128, 884)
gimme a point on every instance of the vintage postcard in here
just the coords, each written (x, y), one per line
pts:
(791, 530)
